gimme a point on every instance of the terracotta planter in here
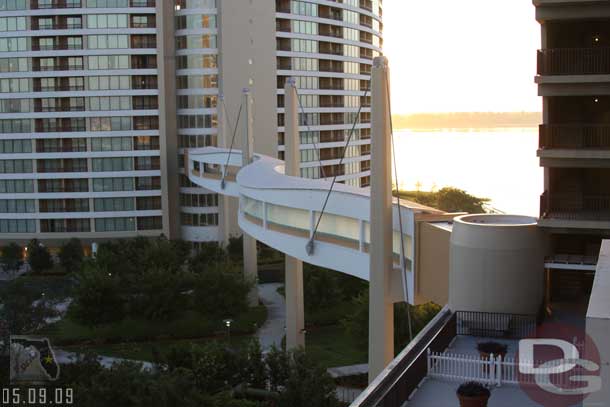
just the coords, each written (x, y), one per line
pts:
(478, 401)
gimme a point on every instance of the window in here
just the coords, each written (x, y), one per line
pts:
(112, 164)
(148, 203)
(15, 146)
(12, 23)
(108, 3)
(196, 61)
(111, 144)
(14, 85)
(199, 219)
(15, 166)
(110, 123)
(113, 204)
(107, 21)
(17, 226)
(14, 65)
(97, 103)
(150, 223)
(16, 186)
(97, 62)
(196, 41)
(13, 44)
(115, 225)
(195, 21)
(9, 5)
(197, 121)
(199, 201)
(113, 184)
(108, 41)
(304, 27)
(17, 206)
(109, 82)
(14, 105)
(197, 81)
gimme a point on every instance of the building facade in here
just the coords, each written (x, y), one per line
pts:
(101, 98)
(574, 81)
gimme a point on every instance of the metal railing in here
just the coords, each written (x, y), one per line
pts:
(394, 385)
(490, 324)
(574, 206)
(571, 136)
(574, 61)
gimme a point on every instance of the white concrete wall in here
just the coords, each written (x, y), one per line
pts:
(497, 264)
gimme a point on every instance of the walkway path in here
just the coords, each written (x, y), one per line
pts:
(273, 331)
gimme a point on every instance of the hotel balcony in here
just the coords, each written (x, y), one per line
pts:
(574, 61)
(573, 210)
(584, 141)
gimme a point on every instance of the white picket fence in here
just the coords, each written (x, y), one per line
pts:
(493, 371)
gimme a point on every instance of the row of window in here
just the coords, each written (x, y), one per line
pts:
(196, 41)
(15, 146)
(199, 219)
(197, 81)
(203, 4)
(196, 61)
(17, 206)
(15, 166)
(199, 201)
(195, 21)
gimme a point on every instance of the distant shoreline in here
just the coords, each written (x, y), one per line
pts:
(470, 121)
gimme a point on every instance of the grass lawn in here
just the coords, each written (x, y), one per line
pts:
(191, 324)
(332, 347)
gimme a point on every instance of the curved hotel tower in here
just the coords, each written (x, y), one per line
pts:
(101, 98)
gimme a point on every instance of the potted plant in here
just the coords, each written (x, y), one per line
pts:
(486, 349)
(473, 394)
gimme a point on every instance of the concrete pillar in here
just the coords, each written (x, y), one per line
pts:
(381, 307)
(223, 200)
(295, 309)
(250, 258)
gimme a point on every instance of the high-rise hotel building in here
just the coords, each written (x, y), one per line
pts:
(574, 81)
(100, 99)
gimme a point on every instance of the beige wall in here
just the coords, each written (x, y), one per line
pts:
(247, 52)
(432, 264)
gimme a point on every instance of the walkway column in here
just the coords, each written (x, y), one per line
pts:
(295, 309)
(250, 260)
(381, 307)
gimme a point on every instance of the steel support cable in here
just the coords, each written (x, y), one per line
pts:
(403, 266)
(224, 170)
(309, 130)
(310, 245)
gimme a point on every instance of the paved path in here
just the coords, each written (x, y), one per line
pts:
(272, 332)
(64, 358)
(12, 275)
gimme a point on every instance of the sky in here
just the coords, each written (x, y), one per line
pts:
(461, 55)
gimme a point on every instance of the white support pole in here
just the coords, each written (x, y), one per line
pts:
(381, 307)
(295, 309)
(250, 258)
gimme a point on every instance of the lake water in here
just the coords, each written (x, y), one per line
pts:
(499, 164)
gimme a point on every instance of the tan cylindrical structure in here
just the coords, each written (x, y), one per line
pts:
(295, 307)
(381, 306)
(497, 264)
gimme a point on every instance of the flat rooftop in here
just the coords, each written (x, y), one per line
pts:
(436, 392)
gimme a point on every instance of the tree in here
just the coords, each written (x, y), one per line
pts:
(356, 323)
(308, 384)
(39, 257)
(12, 256)
(221, 291)
(208, 256)
(321, 288)
(457, 200)
(71, 255)
(22, 311)
(278, 367)
(235, 248)
(255, 370)
(98, 296)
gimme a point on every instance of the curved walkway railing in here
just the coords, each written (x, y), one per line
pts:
(282, 211)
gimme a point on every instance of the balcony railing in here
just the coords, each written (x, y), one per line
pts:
(575, 207)
(575, 136)
(574, 61)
